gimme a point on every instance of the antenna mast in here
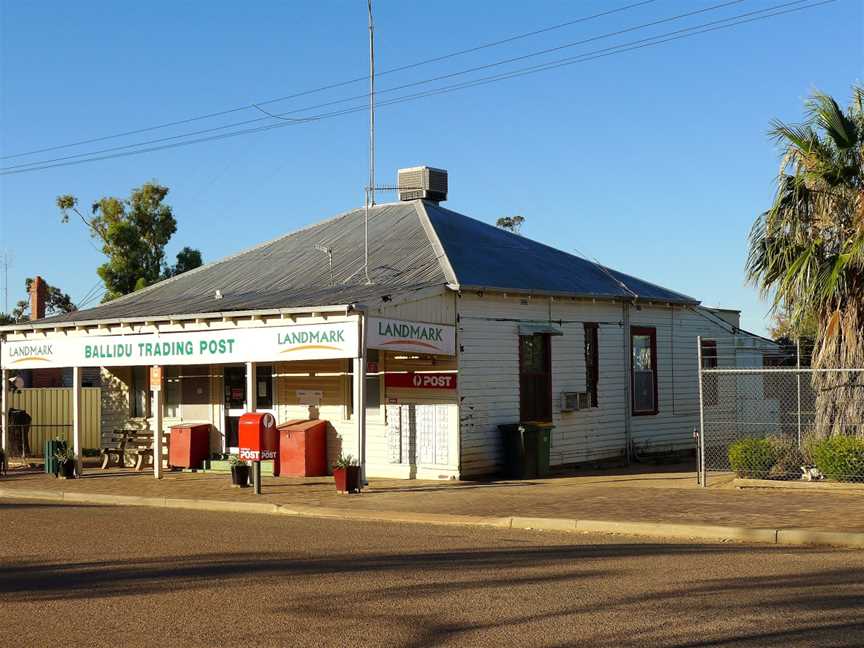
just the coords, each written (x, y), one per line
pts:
(370, 188)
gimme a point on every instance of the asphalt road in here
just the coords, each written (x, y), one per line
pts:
(105, 576)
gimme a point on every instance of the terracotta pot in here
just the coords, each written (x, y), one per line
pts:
(347, 479)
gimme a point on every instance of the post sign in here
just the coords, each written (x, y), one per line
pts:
(261, 344)
(416, 337)
(420, 380)
(258, 437)
(155, 378)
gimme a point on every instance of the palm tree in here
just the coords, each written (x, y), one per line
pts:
(808, 249)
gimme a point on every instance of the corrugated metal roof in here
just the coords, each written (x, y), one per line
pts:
(291, 272)
(484, 256)
(412, 245)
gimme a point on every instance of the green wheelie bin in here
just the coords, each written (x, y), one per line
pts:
(526, 449)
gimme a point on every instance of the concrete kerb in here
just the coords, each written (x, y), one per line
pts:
(788, 537)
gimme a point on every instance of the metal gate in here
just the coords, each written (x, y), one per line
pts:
(772, 422)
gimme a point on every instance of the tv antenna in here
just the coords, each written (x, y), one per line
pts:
(370, 188)
(329, 252)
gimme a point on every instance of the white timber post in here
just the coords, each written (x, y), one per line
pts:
(251, 403)
(156, 384)
(4, 411)
(251, 383)
(76, 418)
(360, 401)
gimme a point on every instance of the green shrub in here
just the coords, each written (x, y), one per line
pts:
(840, 458)
(788, 458)
(752, 457)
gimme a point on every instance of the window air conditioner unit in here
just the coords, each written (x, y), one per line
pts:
(575, 401)
(569, 401)
(584, 400)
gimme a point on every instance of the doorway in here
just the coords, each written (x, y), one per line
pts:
(234, 380)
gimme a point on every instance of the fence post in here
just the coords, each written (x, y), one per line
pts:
(703, 472)
(798, 378)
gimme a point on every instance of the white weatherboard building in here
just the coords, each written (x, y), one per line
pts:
(462, 327)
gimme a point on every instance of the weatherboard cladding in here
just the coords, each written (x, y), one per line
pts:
(412, 245)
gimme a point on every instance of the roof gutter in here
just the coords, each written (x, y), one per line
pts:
(38, 325)
(556, 293)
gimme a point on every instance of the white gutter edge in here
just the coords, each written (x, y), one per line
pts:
(31, 326)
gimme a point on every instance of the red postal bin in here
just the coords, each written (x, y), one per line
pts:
(303, 449)
(188, 445)
(258, 437)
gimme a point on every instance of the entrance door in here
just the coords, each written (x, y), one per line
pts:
(535, 378)
(234, 380)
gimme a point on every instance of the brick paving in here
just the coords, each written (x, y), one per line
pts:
(637, 494)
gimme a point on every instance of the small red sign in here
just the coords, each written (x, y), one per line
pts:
(421, 380)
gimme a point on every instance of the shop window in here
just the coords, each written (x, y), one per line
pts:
(171, 391)
(643, 369)
(709, 381)
(264, 387)
(139, 392)
(592, 362)
(535, 378)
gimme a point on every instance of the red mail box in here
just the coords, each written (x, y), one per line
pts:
(188, 445)
(303, 449)
(258, 436)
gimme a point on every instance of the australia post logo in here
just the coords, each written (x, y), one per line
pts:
(423, 335)
(31, 352)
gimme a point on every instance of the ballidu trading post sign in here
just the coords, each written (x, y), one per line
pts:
(264, 344)
(417, 337)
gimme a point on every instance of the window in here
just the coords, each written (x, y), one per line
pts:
(171, 391)
(535, 378)
(139, 392)
(643, 368)
(592, 362)
(709, 382)
(264, 387)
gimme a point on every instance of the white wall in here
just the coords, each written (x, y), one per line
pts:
(489, 376)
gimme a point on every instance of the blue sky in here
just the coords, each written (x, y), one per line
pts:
(654, 161)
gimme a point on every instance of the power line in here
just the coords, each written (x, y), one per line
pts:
(282, 116)
(365, 96)
(602, 53)
(340, 84)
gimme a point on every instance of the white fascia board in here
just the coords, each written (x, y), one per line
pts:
(33, 326)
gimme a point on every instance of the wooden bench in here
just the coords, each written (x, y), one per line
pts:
(129, 445)
(113, 447)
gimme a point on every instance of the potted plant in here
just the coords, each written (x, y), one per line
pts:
(239, 472)
(65, 463)
(346, 472)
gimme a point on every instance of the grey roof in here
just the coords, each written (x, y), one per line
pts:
(485, 256)
(412, 246)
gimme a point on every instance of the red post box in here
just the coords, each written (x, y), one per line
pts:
(258, 437)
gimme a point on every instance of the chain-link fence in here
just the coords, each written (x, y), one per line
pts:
(781, 423)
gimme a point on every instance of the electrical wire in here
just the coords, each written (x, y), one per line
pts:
(605, 52)
(340, 84)
(365, 96)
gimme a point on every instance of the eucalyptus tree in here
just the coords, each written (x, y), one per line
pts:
(808, 249)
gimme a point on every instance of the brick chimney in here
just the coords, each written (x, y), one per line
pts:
(37, 298)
